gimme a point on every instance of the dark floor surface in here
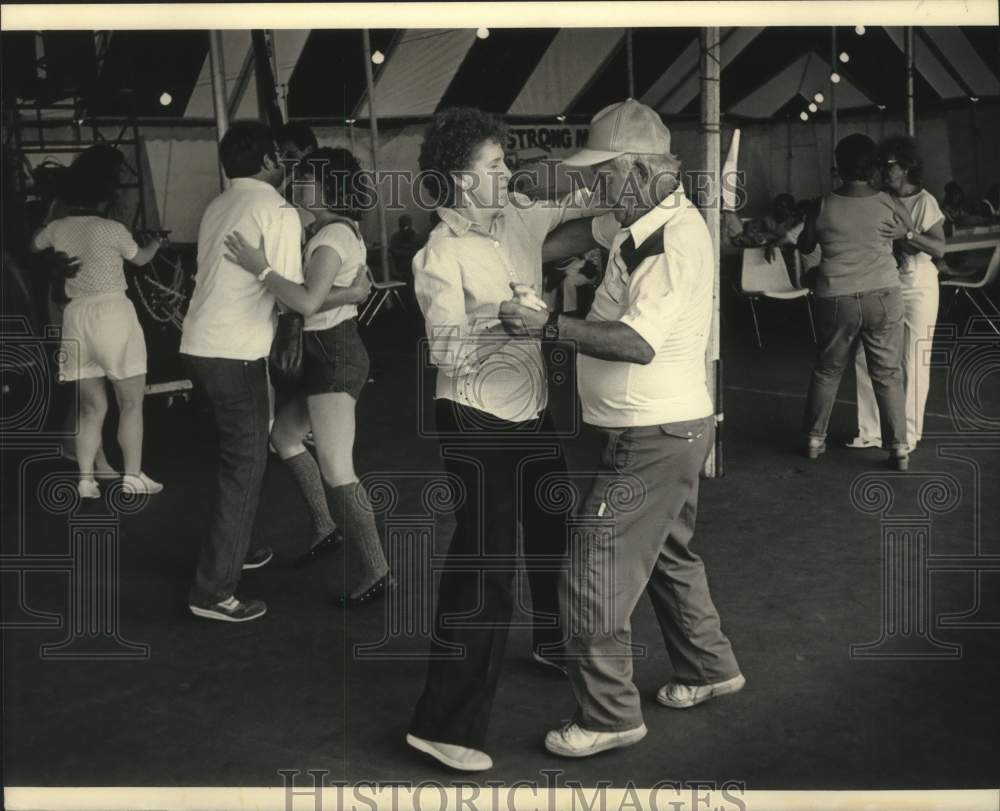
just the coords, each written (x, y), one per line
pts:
(795, 570)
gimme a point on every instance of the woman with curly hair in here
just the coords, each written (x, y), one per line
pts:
(496, 436)
(102, 337)
(919, 242)
(335, 362)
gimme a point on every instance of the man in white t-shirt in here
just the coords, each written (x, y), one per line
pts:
(226, 339)
(641, 378)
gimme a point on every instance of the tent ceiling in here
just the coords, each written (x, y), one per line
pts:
(530, 72)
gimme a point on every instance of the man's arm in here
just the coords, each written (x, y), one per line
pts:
(569, 239)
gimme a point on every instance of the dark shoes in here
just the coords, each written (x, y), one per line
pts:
(320, 549)
(231, 610)
(372, 594)
(257, 558)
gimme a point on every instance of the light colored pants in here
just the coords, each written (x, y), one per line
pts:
(634, 534)
(919, 318)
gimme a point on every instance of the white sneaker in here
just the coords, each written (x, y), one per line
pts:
(681, 696)
(87, 488)
(457, 757)
(140, 485)
(860, 442)
(575, 741)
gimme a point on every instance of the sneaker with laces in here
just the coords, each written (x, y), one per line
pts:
(575, 741)
(231, 610)
(257, 558)
(456, 757)
(140, 484)
(681, 696)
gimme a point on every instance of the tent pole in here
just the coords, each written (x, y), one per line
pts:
(630, 60)
(373, 132)
(218, 94)
(833, 100)
(911, 128)
(711, 164)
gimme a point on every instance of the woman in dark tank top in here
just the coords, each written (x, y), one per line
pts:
(858, 297)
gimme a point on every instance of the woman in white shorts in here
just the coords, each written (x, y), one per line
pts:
(101, 335)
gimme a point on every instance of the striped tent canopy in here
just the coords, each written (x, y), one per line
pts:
(767, 73)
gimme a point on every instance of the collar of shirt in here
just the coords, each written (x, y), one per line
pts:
(656, 218)
(250, 182)
(460, 224)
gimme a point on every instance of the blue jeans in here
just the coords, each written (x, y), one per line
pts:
(236, 391)
(875, 319)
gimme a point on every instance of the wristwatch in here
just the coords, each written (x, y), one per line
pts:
(263, 274)
(550, 332)
(909, 235)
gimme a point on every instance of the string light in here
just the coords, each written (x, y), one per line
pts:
(482, 33)
(804, 115)
(350, 121)
(835, 77)
(813, 108)
(165, 99)
(378, 57)
(859, 30)
(560, 118)
(845, 57)
(818, 98)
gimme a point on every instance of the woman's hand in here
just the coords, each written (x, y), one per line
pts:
(898, 230)
(242, 253)
(361, 286)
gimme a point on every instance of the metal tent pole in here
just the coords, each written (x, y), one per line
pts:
(833, 99)
(711, 164)
(218, 94)
(630, 63)
(373, 131)
(911, 124)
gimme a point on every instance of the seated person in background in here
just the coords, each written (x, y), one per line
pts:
(952, 206)
(989, 207)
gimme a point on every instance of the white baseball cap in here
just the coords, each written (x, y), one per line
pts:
(625, 127)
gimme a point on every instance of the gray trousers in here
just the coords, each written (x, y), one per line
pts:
(633, 534)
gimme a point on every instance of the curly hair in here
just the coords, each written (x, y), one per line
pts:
(903, 149)
(343, 180)
(450, 145)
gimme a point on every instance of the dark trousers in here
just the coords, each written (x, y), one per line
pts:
(876, 319)
(500, 465)
(236, 391)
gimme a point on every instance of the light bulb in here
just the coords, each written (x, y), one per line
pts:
(560, 118)
(859, 30)
(835, 77)
(845, 57)
(813, 108)
(804, 115)
(818, 98)
(482, 33)
(165, 99)
(378, 57)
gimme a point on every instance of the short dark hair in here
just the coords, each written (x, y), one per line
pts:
(93, 178)
(343, 191)
(856, 156)
(244, 147)
(450, 145)
(299, 134)
(903, 149)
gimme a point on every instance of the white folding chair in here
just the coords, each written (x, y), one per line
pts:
(381, 292)
(760, 278)
(973, 287)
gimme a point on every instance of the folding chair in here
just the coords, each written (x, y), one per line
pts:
(973, 287)
(760, 278)
(381, 292)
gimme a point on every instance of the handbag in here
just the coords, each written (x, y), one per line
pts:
(284, 362)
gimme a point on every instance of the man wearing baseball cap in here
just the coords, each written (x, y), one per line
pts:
(641, 378)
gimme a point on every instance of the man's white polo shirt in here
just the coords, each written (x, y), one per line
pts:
(668, 301)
